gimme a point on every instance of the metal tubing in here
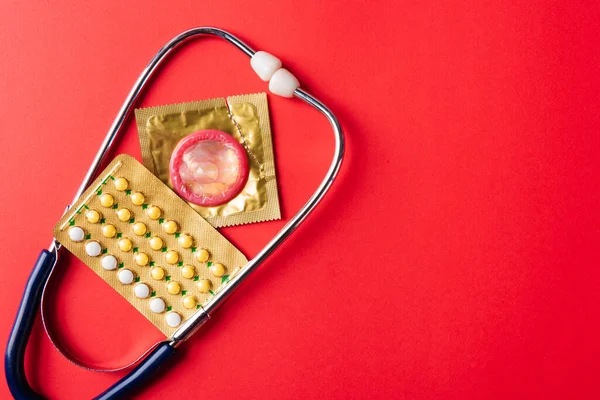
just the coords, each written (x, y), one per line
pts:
(203, 314)
(141, 82)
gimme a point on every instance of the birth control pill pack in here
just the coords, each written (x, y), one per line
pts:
(148, 244)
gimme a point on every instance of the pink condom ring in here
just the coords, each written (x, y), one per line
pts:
(208, 168)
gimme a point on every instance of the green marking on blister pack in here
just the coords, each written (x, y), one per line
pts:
(144, 206)
(102, 220)
(128, 192)
(224, 278)
(119, 234)
(183, 292)
(168, 278)
(153, 294)
(161, 220)
(88, 236)
(148, 234)
(86, 207)
(152, 263)
(164, 249)
(115, 206)
(197, 306)
(111, 177)
(208, 264)
(104, 251)
(196, 278)
(135, 249)
(193, 249)
(121, 265)
(211, 292)
(99, 192)
(132, 220)
(71, 222)
(177, 234)
(180, 264)
(137, 279)
(169, 308)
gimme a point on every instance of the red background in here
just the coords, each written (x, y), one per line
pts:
(457, 254)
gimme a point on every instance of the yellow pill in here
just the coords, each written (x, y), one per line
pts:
(121, 184)
(170, 226)
(203, 255)
(185, 241)
(173, 287)
(139, 228)
(156, 243)
(203, 285)
(157, 273)
(188, 271)
(154, 212)
(217, 270)
(172, 257)
(125, 244)
(107, 200)
(109, 231)
(189, 302)
(93, 216)
(124, 214)
(141, 259)
(138, 198)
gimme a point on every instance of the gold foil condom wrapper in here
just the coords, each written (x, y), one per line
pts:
(246, 118)
(153, 195)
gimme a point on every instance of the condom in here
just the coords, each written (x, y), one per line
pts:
(208, 168)
(243, 118)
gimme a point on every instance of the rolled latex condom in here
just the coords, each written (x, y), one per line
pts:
(208, 168)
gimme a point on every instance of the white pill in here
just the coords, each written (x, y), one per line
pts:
(141, 290)
(76, 233)
(109, 262)
(173, 319)
(93, 248)
(157, 305)
(125, 276)
(264, 64)
(283, 83)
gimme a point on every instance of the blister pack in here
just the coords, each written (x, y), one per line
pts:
(148, 244)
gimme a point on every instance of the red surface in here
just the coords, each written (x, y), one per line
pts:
(457, 254)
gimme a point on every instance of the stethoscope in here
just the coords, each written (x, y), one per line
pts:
(140, 376)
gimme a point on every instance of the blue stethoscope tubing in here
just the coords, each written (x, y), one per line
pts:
(140, 376)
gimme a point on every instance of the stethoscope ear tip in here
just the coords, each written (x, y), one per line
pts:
(269, 68)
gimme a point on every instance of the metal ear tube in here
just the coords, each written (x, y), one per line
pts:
(281, 82)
